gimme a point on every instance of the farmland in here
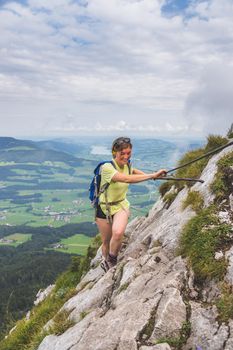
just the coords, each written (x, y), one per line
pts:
(76, 244)
(49, 187)
(15, 239)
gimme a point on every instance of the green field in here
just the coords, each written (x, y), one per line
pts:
(30, 203)
(76, 244)
(15, 239)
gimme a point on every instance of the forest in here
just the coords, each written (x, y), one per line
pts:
(29, 267)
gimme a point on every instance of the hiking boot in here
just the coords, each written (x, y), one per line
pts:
(112, 260)
(104, 265)
(109, 263)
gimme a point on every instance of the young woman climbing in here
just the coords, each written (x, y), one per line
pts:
(113, 210)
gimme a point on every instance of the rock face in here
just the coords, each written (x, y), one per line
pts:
(42, 294)
(149, 299)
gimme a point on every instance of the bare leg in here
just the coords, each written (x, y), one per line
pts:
(120, 220)
(105, 230)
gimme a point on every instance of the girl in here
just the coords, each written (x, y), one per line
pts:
(113, 210)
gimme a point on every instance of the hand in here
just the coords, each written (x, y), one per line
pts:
(160, 173)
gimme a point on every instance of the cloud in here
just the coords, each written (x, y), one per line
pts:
(122, 126)
(120, 59)
(210, 104)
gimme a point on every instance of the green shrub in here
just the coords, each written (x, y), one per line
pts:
(83, 314)
(195, 200)
(165, 187)
(220, 186)
(169, 198)
(61, 323)
(215, 141)
(202, 236)
(195, 169)
(225, 304)
(123, 287)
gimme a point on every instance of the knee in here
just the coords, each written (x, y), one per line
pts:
(117, 235)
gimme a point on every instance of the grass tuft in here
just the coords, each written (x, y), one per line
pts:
(221, 186)
(195, 200)
(202, 236)
(225, 303)
(170, 197)
(61, 322)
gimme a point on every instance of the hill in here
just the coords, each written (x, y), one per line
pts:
(23, 151)
(172, 287)
(41, 186)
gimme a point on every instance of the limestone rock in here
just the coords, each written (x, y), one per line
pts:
(229, 343)
(67, 340)
(170, 315)
(229, 274)
(206, 332)
(42, 294)
(218, 255)
(231, 201)
(88, 299)
(162, 346)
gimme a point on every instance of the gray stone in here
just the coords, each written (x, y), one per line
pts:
(118, 326)
(92, 276)
(231, 201)
(96, 260)
(229, 274)
(162, 346)
(229, 343)
(43, 294)
(218, 255)
(71, 337)
(170, 315)
(88, 299)
(130, 270)
(210, 291)
(206, 332)
(224, 217)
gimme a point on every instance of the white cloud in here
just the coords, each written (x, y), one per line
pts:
(118, 59)
(210, 104)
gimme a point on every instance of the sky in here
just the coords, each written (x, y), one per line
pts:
(158, 68)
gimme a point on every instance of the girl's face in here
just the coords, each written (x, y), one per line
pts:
(122, 157)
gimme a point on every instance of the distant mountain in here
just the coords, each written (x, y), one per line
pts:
(64, 146)
(23, 151)
(10, 142)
